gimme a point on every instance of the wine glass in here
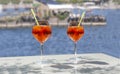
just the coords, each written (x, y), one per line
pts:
(75, 33)
(41, 33)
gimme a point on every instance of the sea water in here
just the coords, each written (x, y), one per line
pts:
(97, 39)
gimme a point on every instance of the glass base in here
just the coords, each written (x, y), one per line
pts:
(40, 64)
(74, 60)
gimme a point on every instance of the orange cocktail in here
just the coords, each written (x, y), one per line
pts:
(75, 32)
(41, 32)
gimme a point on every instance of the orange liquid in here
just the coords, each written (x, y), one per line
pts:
(41, 33)
(75, 32)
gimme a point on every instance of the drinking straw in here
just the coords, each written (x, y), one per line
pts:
(83, 14)
(34, 16)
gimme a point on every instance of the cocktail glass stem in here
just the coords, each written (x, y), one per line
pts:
(75, 52)
(75, 56)
(75, 69)
(41, 51)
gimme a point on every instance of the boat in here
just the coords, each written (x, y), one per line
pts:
(94, 20)
(90, 20)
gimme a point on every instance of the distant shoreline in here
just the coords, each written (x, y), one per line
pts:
(16, 6)
(111, 7)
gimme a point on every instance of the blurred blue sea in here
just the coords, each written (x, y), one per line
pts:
(97, 39)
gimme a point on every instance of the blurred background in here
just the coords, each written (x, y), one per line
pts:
(101, 23)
